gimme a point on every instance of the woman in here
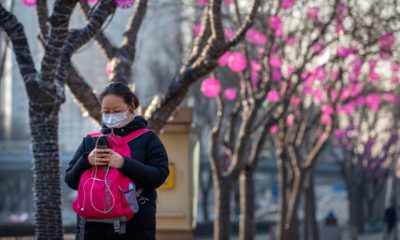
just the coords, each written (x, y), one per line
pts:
(148, 167)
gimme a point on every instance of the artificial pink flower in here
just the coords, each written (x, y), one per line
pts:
(291, 40)
(373, 101)
(295, 100)
(273, 96)
(256, 66)
(197, 29)
(223, 60)
(256, 37)
(317, 47)
(326, 119)
(287, 4)
(124, 3)
(313, 13)
(29, 3)
(387, 40)
(229, 33)
(92, 1)
(275, 22)
(230, 94)
(327, 109)
(210, 87)
(344, 52)
(237, 62)
(275, 61)
(227, 2)
(276, 74)
(290, 70)
(290, 120)
(202, 2)
(390, 97)
(274, 129)
(374, 76)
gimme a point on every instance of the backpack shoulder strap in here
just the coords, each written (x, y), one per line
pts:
(94, 134)
(129, 137)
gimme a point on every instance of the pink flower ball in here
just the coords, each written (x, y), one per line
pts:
(237, 62)
(202, 2)
(256, 37)
(313, 13)
(92, 1)
(275, 22)
(223, 60)
(287, 4)
(274, 129)
(230, 94)
(210, 87)
(273, 96)
(29, 3)
(124, 3)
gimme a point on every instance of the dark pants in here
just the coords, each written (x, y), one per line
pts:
(105, 231)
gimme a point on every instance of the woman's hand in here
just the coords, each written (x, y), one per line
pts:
(99, 157)
(105, 157)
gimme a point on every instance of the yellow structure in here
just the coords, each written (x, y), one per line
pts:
(177, 197)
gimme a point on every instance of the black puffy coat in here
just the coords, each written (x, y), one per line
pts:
(148, 168)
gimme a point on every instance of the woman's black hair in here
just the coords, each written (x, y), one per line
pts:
(121, 90)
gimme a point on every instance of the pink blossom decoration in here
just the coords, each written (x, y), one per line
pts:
(275, 22)
(291, 40)
(344, 52)
(276, 74)
(223, 60)
(202, 2)
(290, 120)
(326, 119)
(290, 70)
(395, 67)
(327, 109)
(274, 129)
(229, 33)
(373, 101)
(317, 47)
(387, 40)
(256, 37)
(313, 13)
(273, 96)
(237, 62)
(390, 97)
(29, 3)
(210, 87)
(124, 3)
(275, 61)
(230, 94)
(197, 29)
(295, 100)
(110, 68)
(92, 1)
(374, 76)
(287, 4)
(227, 2)
(256, 66)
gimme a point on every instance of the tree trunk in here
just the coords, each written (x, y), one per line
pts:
(247, 207)
(46, 168)
(310, 221)
(222, 221)
(356, 205)
(282, 184)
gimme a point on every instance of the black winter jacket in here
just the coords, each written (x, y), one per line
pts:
(148, 168)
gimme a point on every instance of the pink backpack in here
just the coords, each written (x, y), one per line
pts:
(104, 193)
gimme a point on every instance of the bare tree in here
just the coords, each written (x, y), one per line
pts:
(45, 90)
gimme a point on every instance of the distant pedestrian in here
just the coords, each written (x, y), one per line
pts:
(391, 222)
(330, 230)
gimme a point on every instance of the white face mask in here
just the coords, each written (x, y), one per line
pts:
(116, 120)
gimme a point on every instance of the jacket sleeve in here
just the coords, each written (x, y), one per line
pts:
(154, 171)
(77, 166)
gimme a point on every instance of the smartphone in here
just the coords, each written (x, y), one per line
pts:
(102, 143)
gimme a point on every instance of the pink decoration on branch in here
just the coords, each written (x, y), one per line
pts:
(295, 100)
(291, 40)
(326, 119)
(229, 33)
(274, 129)
(387, 40)
(373, 101)
(275, 61)
(318, 48)
(273, 96)
(237, 62)
(230, 94)
(290, 120)
(124, 3)
(29, 3)
(287, 4)
(223, 60)
(197, 29)
(256, 66)
(256, 37)
(92, 1)
(202, 2)
(210, 87)
(313, 13)
(344, 52)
